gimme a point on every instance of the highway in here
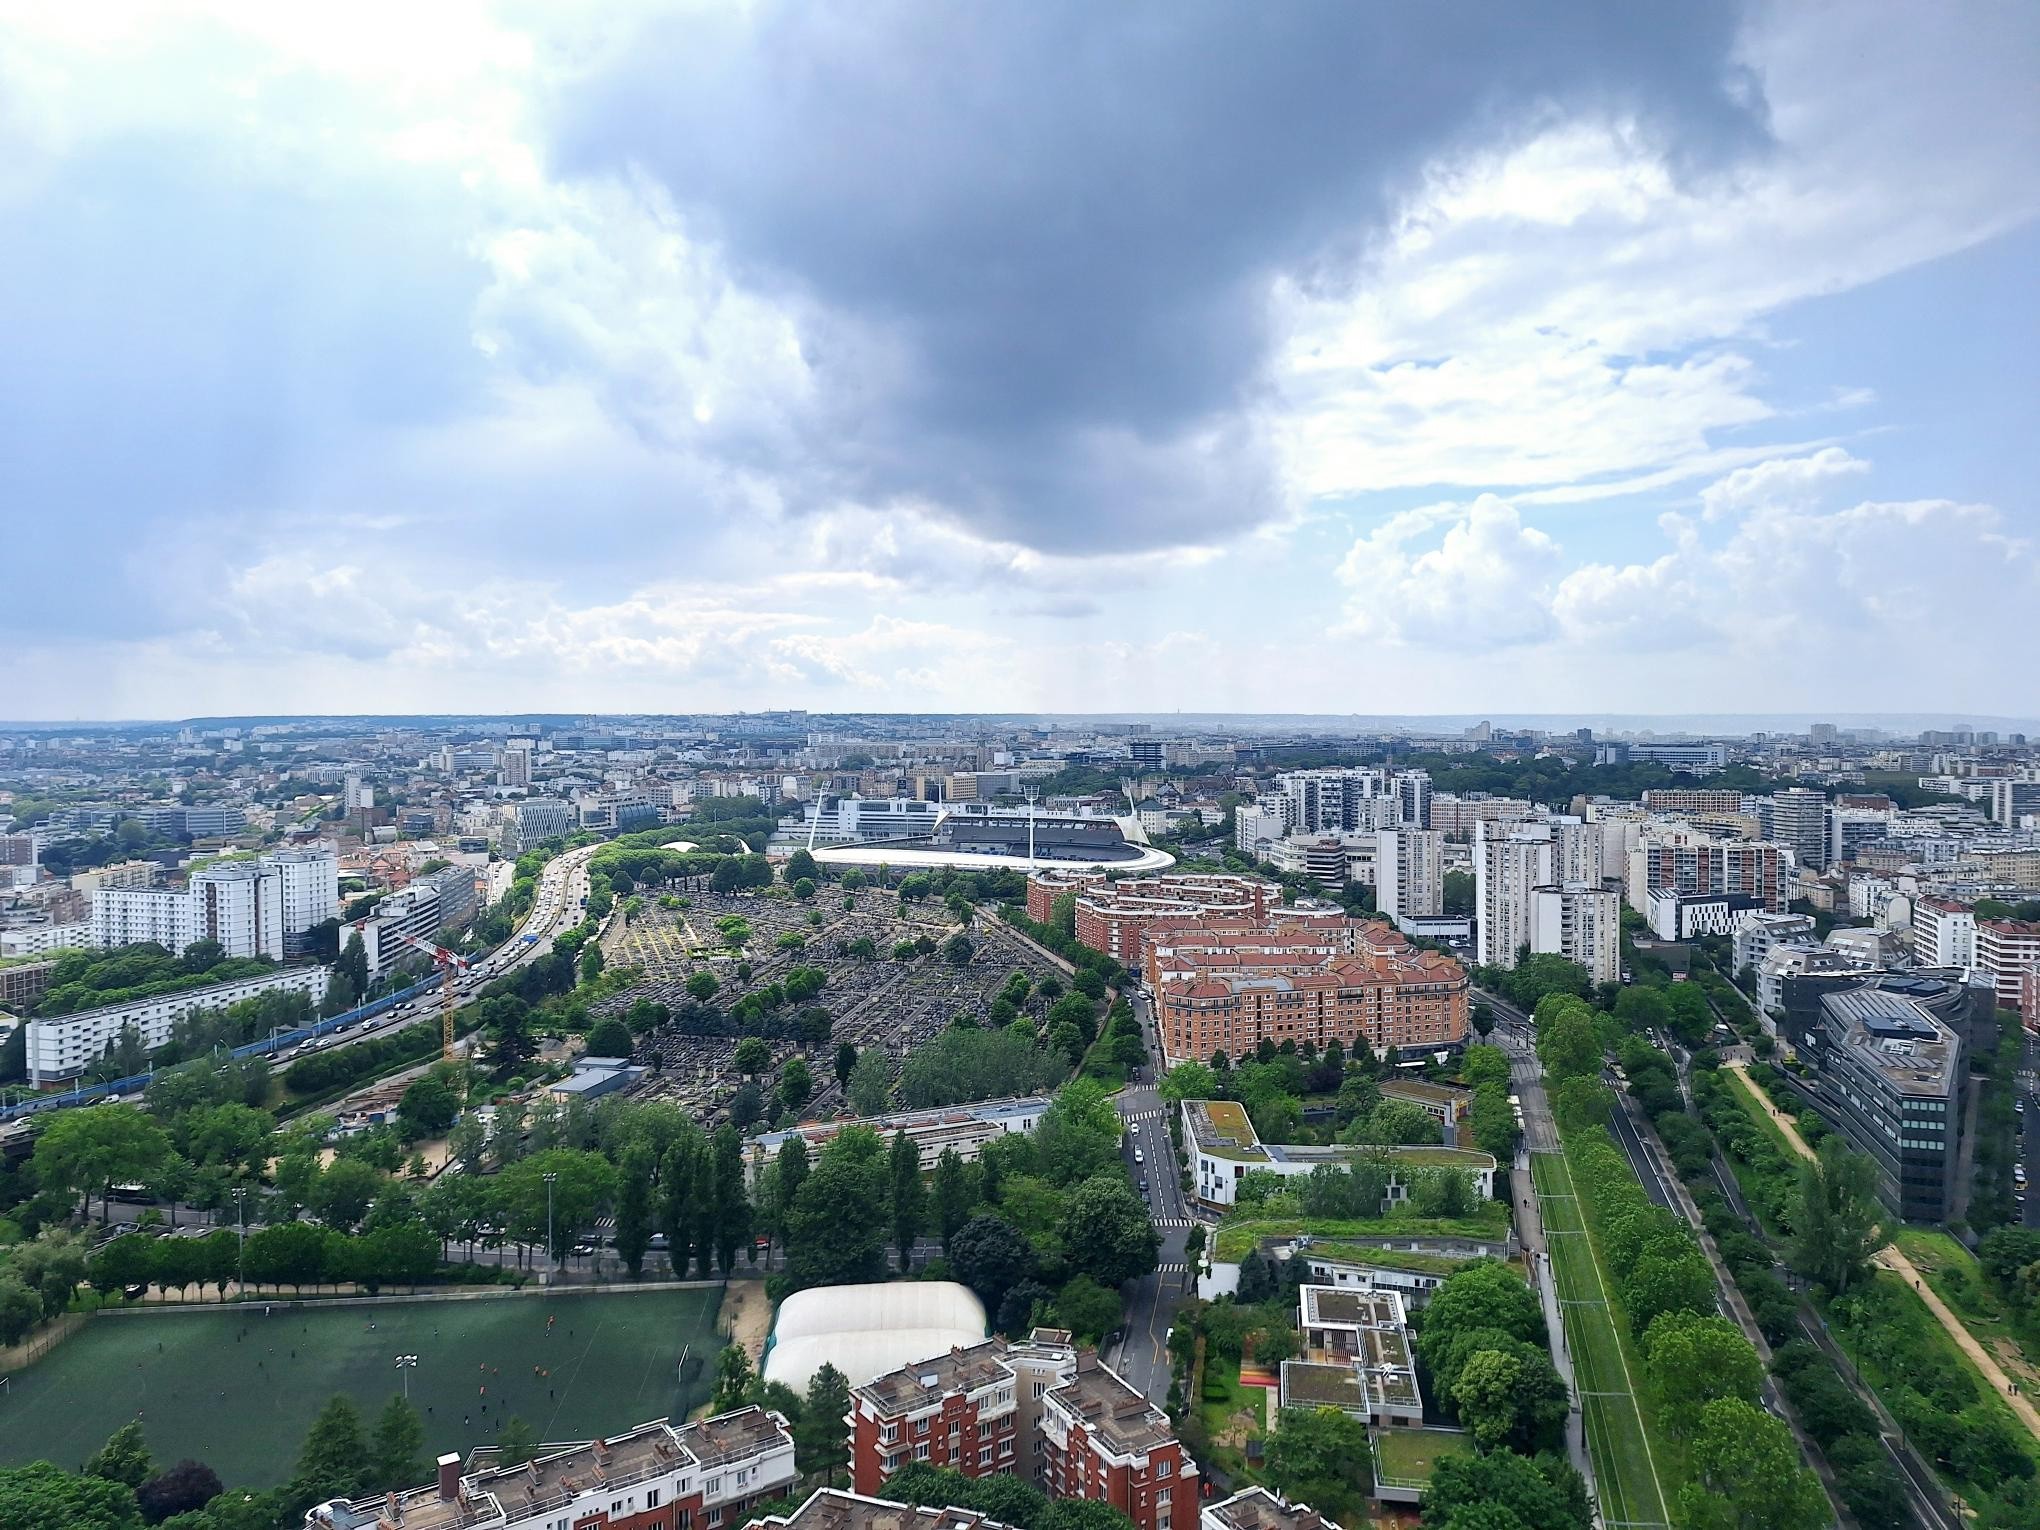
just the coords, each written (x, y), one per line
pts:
(556, 907)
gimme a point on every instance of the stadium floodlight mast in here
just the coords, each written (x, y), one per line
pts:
(553, 1253)
(407, 1364)
(241, 1251)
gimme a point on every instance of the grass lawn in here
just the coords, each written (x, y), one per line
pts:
(1959, 1281)
(1236, 1235)
(1224, 1398)
(1408, 1455)
(224, 1387)
(1629, 1478)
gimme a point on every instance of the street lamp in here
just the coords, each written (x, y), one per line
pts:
(241, 1252)
(407, 1364)
(551, 1252)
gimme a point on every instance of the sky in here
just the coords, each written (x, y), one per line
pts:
(1142, 357)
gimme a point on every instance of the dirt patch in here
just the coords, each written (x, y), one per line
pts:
(746, 1316)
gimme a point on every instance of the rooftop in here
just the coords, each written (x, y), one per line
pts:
(925, 1383)
(1898, 1036)
(1113, 1411)
(835, 1509)
(1322, 1386)
(1259, 1509)
(1222, 1129)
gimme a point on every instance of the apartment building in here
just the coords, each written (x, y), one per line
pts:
(1759, 932)
(1509, 865)
(658, 1476)
(1357, 1357)
(1686, 859)
(1943, 933)
(1258, 1509)
(1220, 992)
(1042, 1410)
(263, 907)
(64, 1046)
(1580, 922)
(834, 1509)
(442, 900)
(1112, 916)
(42, 939)
(121, 874)
(2006, 950)
(1692, 799)
(1459, 815)
(1799, 822)
(1409, 874)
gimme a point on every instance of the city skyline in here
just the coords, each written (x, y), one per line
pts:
(1046, 360)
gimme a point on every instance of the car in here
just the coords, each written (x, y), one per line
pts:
(584, 1248)
(1139, 1156)
(1143, 1187)
(1134, 1127)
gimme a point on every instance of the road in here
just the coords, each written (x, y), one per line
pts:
(555, 907)
(1142, 1355)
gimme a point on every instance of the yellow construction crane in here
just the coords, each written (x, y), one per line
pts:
(448, 963)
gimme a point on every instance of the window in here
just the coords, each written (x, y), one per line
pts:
(713, 1517)
(652, 1498)
(921, 1452)
(743, 1475)
(712, 1486)
(887, 1433)
(985, 1456)
(1040, 1387)
(1164, 1466)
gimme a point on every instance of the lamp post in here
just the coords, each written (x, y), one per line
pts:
(407, 1364)
(241, 1249)
(549, 1176)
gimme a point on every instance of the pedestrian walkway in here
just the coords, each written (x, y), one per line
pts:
(1173, 1222)
(1157, 1114)
(1891, 1259)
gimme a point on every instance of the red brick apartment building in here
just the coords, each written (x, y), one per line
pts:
(1041, 1410)
(1111, 916)
(1225, 987)
(658, 1476)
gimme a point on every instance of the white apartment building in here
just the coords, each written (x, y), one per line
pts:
(264, 907)
(1509, 863)
(121, 874)
(1943, 933)
(2006, 950)
(41, 939)
(539, 819)
(1581, 922)
(65, 1046)
(1409, 874)
(444, 900)
(1759, 933)
(1259, 826)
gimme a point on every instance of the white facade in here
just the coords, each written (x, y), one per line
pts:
(41, 939)
(1259, 826)
(1507, 864)
(65, 1046)
(1760, 932)
(252, 908)
(1944, 933)
(1580, 922)
(1409, 874)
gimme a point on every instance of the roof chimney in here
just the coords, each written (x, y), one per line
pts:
(390, 1510)
(449, 1476)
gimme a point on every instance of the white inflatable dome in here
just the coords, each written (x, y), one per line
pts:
(867, 1331)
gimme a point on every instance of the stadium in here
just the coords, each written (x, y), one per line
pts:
(973, 837)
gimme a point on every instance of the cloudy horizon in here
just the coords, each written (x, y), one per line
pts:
(913, 358)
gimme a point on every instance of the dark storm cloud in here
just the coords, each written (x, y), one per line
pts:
(1068, 214)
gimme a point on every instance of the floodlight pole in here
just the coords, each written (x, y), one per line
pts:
(551, 1252)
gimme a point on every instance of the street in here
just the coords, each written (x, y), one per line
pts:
(1142, 1354)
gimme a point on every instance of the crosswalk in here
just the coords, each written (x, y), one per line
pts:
(1172, 1269)
(1172, 1222)
(1143, 1115)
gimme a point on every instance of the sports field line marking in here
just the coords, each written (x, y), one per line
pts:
(1642, 1434)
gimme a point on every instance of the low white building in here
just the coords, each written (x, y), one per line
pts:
(66, 1045)
(1223, 1148)
(1759, 933)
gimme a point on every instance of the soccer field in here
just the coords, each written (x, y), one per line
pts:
(238, 1391)
(1625, 1474)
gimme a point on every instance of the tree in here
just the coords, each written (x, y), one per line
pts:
(398, 1450)
(732, 1377)
(1107, 1233)
(608, 1037)
(820, 1445)
(909, 1197)
(1510, 1395)
(991, 1257)
(430, 1105)
(336, 1461)
(517, 1443)
(83, 1151)
(1839, 1223)
(592, 962)
(1568, 1040)
(1747, 1474)
(800, 865)
(1081, 1514)
(953, 1196)
(178, 1490)
(344, 1191)
(870, 1085)
(958, 950)
(796, 1083)
(634, 1206)
(1537, 1493)
(1078, 1135)
(124, 1458)
(41, 1494)
(836, 1228)
(1695, 1358)
(1482, 1295)
(846, 1062)
(1087, 1309)
(1319, 1456)
(701, 986)
(753, 1056)
(1668, 1282)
